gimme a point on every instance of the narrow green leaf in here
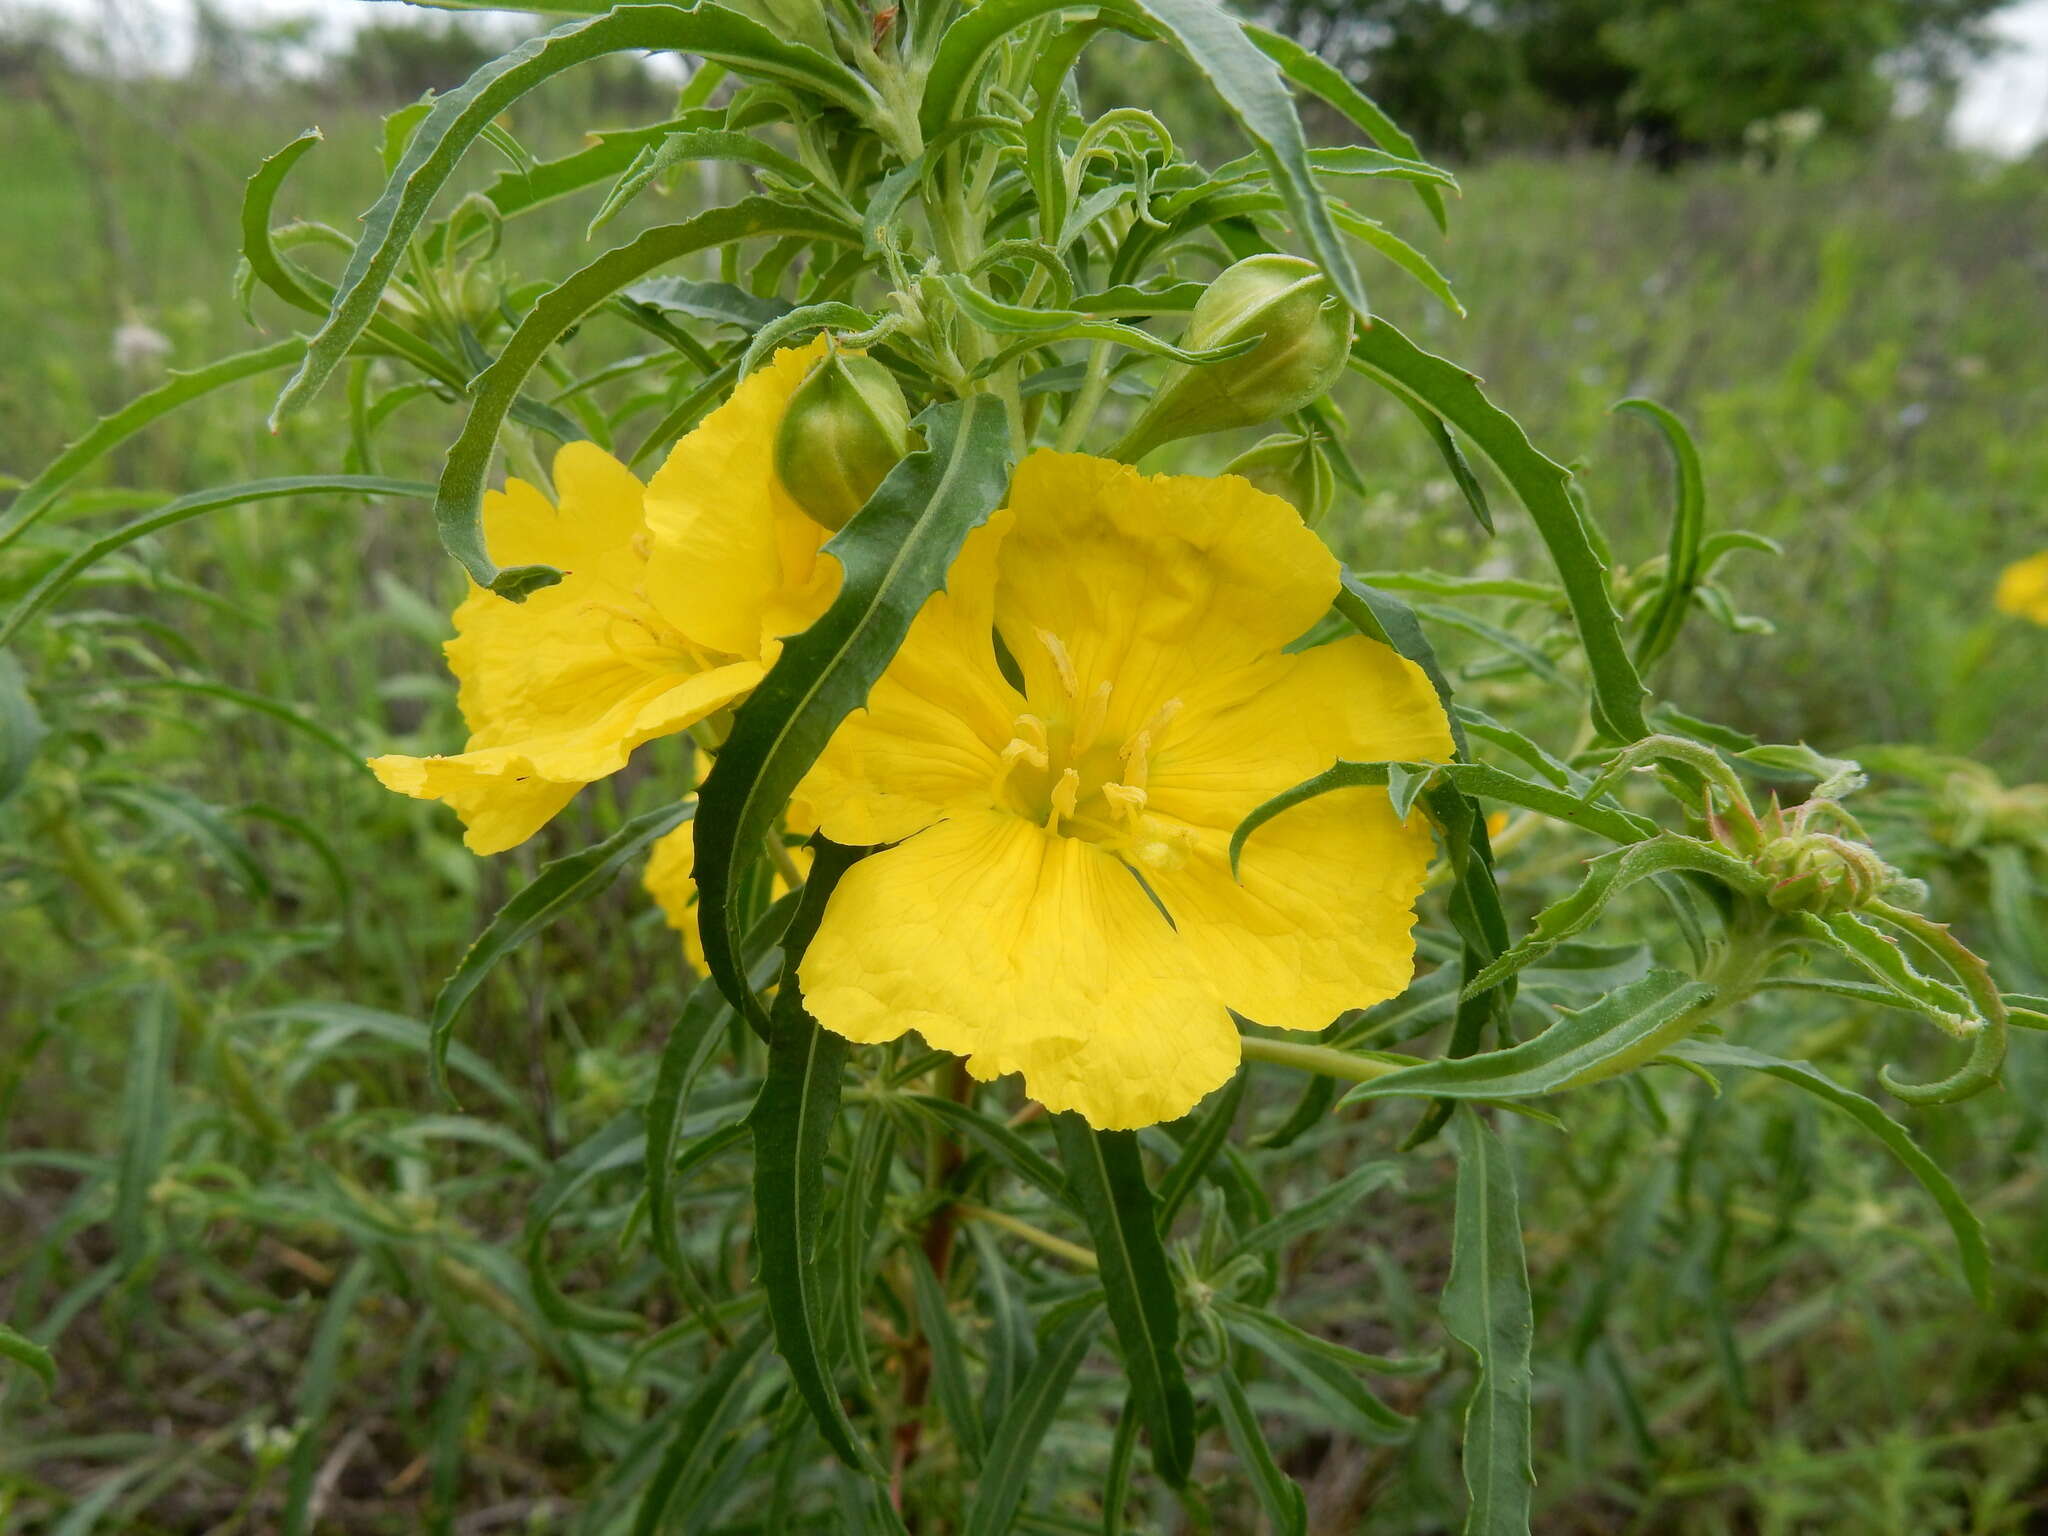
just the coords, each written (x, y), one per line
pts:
(717, 303)
(459, 498)
(1486, 1306)
(1319, 1210)
(258, 197)
(559, 886)
(1962, 1221)
(37, 497)
(620, 1143)
(804, 321)
(145, 1124)
(519, 189)
(22, 731)
(691, 1440)
(792, 1126)
(948, 1355)
(1682, 563)
(1253, 88)
(184, 509)
(1212, 1132)
(1606, 877)
(1624, 1029)
(1323, 79)
(895, 553)
(1330, 1374)
(458, 117)
(1285, 1508)
(996, 1138)
(1108, 1179)
(1453, 394)
(690, 1043)
(25, 1352)
(319, 1380)
(1064, 1338)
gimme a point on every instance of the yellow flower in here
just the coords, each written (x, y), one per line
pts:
(1060, 902)
(2023, 589)
(673, 603)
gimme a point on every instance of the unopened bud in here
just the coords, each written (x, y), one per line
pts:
(845, 428)
(1291, 467)
(1307, 336)
(1820, 873)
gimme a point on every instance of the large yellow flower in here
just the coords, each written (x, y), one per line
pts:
(1060, 902)
(2023, 589)
(673, 603)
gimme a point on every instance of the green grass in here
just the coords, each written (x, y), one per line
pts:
(1749, 1320)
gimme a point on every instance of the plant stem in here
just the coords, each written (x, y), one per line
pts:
(1059, 1247)
(1317, 1058)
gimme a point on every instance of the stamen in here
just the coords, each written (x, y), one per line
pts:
(1137, 759)
(1127, 802)
(1066, 795)
(1088, 721)
(1061, 661)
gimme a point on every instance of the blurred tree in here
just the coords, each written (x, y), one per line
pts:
(1669, 76)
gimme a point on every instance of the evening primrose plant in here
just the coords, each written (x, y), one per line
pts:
(1061, 836)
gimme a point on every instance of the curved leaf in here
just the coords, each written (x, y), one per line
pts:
(1108, 1180)
(792, 1125)
(559, 886)
(1682, 564)
(1623, 1029)
(1064, 1338)
(1487, 1308)
(36, 498)
(895, 553)
(460, 116)
(1453, 394)
(185, 508)
(1962, 1221)
(459, 499)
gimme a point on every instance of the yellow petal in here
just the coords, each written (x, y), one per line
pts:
(668, 880)
(1152, 583)
(559, 690)
(1026, 952)
(927, 743)
(1246, 735)
(500, 806)
(2023, 589)
(734, 563)
(1323, 919)
(506, 792)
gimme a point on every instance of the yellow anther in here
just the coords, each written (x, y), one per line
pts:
(1061, 661)
(1127, 801)
(1019, 750)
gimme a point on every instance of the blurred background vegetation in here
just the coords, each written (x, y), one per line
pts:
(1723, 204)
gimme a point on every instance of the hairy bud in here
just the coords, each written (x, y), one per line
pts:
(845, 428)
(1820, 873)
(1289, 466)
(1307, 336)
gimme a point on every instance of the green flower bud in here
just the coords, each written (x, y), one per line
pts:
(845, 428)
(1289, 466)
(1307, 333)
(1820, 873)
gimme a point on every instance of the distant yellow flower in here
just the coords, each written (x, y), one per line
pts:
(1060, 902)
(2023, 589)
(672, 604)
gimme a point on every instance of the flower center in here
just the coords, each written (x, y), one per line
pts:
(1064, 772)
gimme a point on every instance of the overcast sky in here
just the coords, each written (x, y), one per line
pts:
(2004, 105)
